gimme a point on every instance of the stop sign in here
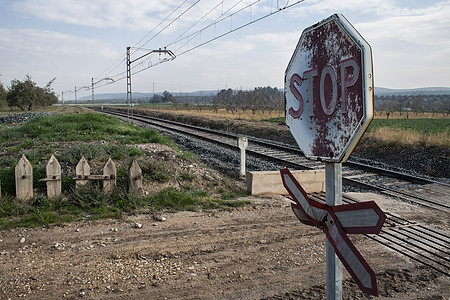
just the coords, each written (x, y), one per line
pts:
(329, 90)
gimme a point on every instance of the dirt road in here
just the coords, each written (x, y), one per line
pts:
(259, 251)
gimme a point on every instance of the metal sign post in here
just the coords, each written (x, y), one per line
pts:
(329, 105)
(333, 189)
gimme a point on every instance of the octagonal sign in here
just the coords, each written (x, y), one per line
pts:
(329, 90)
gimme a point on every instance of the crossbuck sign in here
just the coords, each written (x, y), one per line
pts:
(336, 222)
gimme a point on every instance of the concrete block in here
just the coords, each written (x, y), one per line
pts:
(269, 182)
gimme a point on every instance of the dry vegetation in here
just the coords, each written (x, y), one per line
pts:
(384, 134)
(409, 138)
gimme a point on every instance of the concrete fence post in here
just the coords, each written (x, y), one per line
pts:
(82, 171)
(53, 179)
(24, 179)
(242, 144)
(135, 178)
(109, 176)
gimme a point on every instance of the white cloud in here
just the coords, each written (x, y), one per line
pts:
(327, 7)
(98, 13)
(46, 54)
(87, 36)
(130, 14)
(43, 43)
(430, 26)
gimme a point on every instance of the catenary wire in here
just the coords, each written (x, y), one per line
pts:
(122, 75)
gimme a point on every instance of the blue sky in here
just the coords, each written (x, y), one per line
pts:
(75, 40)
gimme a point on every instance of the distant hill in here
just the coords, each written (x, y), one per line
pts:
(379, 91)
(139, 95)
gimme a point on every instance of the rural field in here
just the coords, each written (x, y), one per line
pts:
(193, 233)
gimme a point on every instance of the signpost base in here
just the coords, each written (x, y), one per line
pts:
(333, 188)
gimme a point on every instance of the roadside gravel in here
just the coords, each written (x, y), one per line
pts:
(22, 117)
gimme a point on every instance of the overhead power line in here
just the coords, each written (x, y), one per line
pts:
(188, 39)
(122, 59)
(194, 40)
(228, 15)
(165, 19)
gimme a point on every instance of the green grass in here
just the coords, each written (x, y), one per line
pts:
(187, 156)
(79, 127)
(38, 212)
(277, 120)
(73, 136)
(189, 198)
(155, 170)
(396, 134)
(187, 176)
(423, 126)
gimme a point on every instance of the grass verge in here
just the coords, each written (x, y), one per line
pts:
(90, 203)
(95, 137)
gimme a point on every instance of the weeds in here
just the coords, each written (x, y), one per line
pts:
(187, 156)
(155, 170)
(187, 176)
(92, 203)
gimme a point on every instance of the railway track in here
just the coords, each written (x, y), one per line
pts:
(419, 242)
(421, 191)
(422, 243)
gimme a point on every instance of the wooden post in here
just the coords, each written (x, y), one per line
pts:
(109, 175)
(53, 180)
(135, 178)
(82, 171)
(24, 179)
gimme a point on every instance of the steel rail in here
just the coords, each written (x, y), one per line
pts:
(289, 156)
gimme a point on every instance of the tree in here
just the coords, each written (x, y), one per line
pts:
(26, 94)
(167, 97)
(156, 99)
(3, 94)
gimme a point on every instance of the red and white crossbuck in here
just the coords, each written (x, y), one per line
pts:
(337, 222)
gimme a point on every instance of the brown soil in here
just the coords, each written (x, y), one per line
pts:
(260, 251)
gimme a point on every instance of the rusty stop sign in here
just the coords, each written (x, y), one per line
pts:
(329, 90)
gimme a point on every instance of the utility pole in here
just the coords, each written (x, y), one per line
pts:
(129, 95)
(94, 83)
(81, 88)
(62, 95)
(129, 62)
